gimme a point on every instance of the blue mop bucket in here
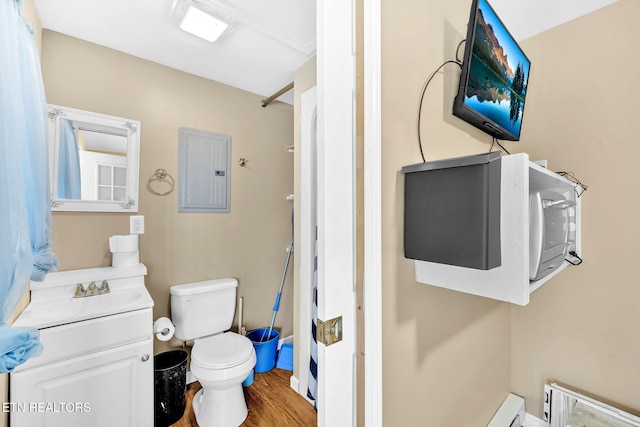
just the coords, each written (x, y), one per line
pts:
(266, 348)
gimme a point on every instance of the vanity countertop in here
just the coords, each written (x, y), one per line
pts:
(53, 303)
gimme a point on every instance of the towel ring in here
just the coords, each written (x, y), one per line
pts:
(162, 176)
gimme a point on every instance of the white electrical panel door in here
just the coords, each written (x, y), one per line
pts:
(204, 171)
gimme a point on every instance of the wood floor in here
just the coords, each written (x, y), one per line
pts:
(271, 403)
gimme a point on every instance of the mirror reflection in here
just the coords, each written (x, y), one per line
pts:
(94, 161)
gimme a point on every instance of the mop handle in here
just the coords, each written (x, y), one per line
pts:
(284, 275)
(276, 306)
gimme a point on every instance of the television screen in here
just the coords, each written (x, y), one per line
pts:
(495, 72)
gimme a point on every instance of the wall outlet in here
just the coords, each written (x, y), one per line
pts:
(136, 224)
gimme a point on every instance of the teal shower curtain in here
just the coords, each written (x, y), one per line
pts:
(25, 215)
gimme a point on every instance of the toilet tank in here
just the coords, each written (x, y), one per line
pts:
(204, 308)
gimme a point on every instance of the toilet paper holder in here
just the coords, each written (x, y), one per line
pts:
(163, 329)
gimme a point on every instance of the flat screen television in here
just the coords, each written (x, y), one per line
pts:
(495, 73)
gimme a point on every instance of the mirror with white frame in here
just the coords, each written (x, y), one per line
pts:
(93, 161)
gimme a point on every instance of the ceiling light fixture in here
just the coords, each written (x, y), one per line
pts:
(202, 24)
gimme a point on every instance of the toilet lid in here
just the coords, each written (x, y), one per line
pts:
(222, 351)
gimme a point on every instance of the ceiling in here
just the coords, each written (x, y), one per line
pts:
(270, 39)
(530, 17)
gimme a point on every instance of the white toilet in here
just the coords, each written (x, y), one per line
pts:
(220, 361)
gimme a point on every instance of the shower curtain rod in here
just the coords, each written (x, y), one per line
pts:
(270, 99)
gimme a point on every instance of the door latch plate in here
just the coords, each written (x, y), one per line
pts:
(329, 331)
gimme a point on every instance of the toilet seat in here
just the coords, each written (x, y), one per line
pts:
(222, 351)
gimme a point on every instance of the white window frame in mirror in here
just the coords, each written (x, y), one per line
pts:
(132, 129)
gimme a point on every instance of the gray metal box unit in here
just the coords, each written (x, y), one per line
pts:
(452, 211)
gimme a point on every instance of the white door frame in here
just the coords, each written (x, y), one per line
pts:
(336, 209)
(372, 299)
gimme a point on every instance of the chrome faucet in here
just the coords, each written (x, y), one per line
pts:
(104, 288)
(91, 290)
(79, 291)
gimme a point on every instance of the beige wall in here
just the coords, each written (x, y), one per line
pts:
(249, 243)
(30, 14)
(442, 348)
(446, 355)
(582, 328)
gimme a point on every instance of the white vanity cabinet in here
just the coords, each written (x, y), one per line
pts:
(510, 281)
(97, 365)
(93, 373)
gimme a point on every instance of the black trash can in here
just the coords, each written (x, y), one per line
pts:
(170, 380)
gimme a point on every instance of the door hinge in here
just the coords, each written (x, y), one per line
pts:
(329, 331)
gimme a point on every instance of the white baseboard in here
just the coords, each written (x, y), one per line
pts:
(288, 340)
(294, 383)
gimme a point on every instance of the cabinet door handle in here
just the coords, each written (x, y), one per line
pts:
(145, 357)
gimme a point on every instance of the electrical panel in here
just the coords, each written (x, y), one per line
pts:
(204, 181)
